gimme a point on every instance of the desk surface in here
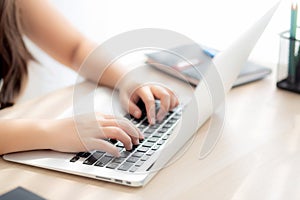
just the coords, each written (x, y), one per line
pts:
(257, 157)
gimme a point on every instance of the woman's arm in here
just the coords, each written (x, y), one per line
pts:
(49, 29)
(66, 135)
(22, 135)
(56, 36)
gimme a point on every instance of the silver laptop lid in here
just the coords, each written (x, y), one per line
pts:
(210, 94)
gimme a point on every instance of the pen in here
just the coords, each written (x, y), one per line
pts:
(293, 27)
(294, 10)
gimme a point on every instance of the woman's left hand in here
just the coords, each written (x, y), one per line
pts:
(148, 93)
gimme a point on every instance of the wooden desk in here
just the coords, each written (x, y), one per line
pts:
(257, 157)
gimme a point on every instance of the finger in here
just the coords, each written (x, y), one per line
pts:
(146, 95)
(174, 101)
(125, 125)
(117, 133)
(130, 105)
(99, 144)
(130, 129)
(165, 100)
(134, 110)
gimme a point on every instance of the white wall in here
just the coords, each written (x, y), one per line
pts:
(212, 22)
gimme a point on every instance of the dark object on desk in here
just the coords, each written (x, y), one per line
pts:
(287, 85)
(288, 77)
(20, 194)
(174, 65)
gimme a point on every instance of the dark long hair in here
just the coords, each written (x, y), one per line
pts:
(13, 52)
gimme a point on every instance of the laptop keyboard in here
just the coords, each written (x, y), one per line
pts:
(155, 137)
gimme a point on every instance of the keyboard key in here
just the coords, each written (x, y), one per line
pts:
(155, 147)
(141, 140)
(93, 158)
(135, 146)
(125, 166)
(145, 157)
(134, 122)
(158, 135)
(160, 142)
(128, 116)
(165, 137)
(141, 127)
(120, 145)
(145, 123)
(137, 154)
(163, 130)
(109, 155)
(113, 141)
(154, 126)
(148, 144)
(143, 149)
(100, 152)
(125, 154)
(167, 115)
(137, 121)
(167, 126)
(118, 160)
(133, 169)
(150, 130)
(157, 106)
(132, 159)
(139, 163)
(150, 152)
(147, 135)
(153, 139)
(172, 121)
(112, 165)
(176, 117)
(103, 161)
(75, 158)
(83, 154)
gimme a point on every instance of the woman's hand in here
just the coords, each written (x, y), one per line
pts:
(130, 95)
(88, 132)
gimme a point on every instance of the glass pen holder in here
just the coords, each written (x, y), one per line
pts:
(288, 69)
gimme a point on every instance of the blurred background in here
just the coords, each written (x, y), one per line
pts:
(215, 23)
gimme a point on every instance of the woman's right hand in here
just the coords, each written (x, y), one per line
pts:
(88, 132)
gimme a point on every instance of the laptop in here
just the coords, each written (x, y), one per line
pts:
(163, 140)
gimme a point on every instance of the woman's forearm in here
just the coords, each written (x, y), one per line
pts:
(21, 135)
